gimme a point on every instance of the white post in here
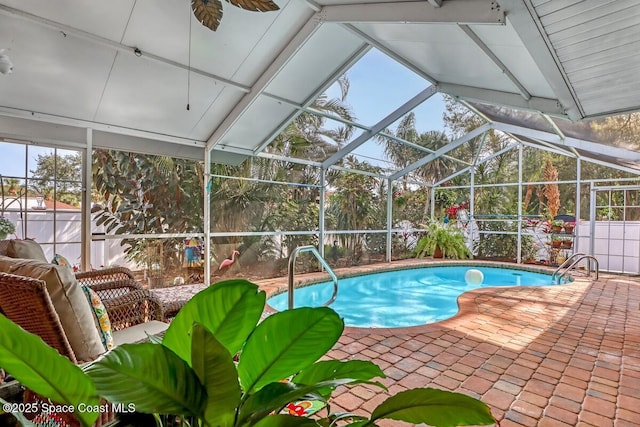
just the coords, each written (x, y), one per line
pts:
(85, 224)
(577, 210)
(207, 217)
(592, 219)
(389, 216)
(433, 202)
(323, 183)
(519, 251)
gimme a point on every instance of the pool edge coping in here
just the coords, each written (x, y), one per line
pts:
(466, 301)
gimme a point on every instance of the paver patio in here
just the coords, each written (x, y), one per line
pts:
(538, 356)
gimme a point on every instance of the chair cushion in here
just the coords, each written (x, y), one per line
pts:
(101, 317)
(27, 249)
(139, 332)
(70, 302)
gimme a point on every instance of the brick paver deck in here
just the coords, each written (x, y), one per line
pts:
(538, 356)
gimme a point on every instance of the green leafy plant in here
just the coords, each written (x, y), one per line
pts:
(6, 226)
(568, 226)
(219, 364)
(448, 239)
(557, 223)
(499, 240)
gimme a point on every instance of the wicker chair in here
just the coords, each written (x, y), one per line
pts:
(106, 275)
(26, 302)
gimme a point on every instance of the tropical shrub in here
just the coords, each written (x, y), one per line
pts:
(500, 245)
(219, 364)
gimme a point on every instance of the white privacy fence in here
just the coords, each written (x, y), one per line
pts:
(65, 226)
(616, 244)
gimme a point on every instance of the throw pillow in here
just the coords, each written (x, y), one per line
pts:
(69, 301)
(101, 317)
(61, 261)
(26, 249)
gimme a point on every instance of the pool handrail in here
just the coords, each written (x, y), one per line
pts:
(323, 262)
(580, 256)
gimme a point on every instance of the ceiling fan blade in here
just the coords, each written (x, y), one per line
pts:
(255, 5)
(208, 12)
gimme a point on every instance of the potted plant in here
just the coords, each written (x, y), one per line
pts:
(219, 365)
(6, 227)
(556, 241)
(567, 242)
(556, 225)
(443, 241)
(568, 226)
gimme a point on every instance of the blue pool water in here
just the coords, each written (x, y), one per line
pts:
(404, 297)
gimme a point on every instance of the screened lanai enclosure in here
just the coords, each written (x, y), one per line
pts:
(131, 134)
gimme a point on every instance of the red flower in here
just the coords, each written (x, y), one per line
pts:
(296, 410)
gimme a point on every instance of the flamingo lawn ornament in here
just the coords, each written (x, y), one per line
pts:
(228, 262)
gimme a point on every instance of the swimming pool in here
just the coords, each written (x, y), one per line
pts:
(402, 298)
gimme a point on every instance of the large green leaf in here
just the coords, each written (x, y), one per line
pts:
(268, 399)
(355, 370)
(150, 376)
(229, 310)
(42, 369)
(276, 395)
(214, 366)
(434, 407)
(285, 421)
(285, 343)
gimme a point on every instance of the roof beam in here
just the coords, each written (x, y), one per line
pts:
(419, 147)
(381, 125)
(538, 145)
(476, 156)
(450, 177)
(531, 31)
(478, 41)
(558, 131)
(442, 150)
(481, 95)
(358, 172)
(355, 57)
(611, 165)
(389, 52)
(459, 11)
(285, 55)
(580, 144)
(336, 118)
(496, 154)
(66, 121)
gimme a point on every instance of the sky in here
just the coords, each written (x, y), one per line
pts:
(12, 158)
(378, 85)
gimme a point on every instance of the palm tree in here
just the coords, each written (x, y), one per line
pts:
(307, 136)
(403, 155)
